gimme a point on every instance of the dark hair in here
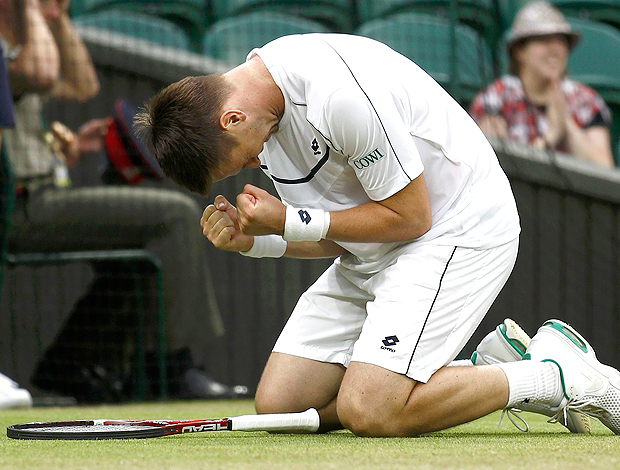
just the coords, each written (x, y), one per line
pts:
(180, 127)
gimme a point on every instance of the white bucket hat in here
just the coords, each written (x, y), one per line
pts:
(538, 19)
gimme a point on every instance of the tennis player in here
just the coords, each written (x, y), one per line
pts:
(376, 165)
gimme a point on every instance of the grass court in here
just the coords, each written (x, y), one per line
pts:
(479, 445)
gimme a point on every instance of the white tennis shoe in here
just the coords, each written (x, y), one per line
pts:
(11, 396)
(509, 342)
(589, 387)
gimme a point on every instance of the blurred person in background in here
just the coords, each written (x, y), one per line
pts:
(537, 104)
(11, 395)
(48, 60)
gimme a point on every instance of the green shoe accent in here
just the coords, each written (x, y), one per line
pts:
(561, 377)
(516, 345)
(569, 334)
(473, 357)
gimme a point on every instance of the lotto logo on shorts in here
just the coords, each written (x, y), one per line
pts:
(305, 217)
(388, 342)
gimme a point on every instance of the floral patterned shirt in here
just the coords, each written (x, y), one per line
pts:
(526, 120)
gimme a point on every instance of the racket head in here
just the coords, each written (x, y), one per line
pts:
(81, 430)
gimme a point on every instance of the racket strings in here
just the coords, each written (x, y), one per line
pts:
(92, 429)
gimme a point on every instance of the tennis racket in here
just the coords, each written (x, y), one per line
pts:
(140, 429)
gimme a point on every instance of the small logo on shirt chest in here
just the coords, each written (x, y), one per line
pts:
(314, 145)
(370, 159)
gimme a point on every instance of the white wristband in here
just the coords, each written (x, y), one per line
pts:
(305, 225)
(266, 246)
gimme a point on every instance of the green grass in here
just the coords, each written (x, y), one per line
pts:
(478, 445)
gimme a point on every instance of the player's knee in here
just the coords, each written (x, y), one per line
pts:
(270, 400)
(264, 402)
(265, 407)
(353, 418)
(364, 417)
(361, 418)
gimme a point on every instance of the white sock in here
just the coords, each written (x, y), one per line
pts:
(532, 380)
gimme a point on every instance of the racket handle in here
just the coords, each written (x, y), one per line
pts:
(305, 421)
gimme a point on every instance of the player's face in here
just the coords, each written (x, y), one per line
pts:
(250, 142)
(545, 57)
(238, 159)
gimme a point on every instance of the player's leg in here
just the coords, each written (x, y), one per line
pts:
(426, 307)
(563, 376)
(291, 383)
(309, 359)
(374, 401)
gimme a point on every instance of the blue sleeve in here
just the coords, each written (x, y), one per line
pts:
(6, 102)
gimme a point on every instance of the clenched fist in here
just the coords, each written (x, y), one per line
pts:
(260, 213)
(220, 225)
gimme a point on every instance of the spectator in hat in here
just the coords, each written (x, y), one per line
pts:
(47, 59)
(537, 104)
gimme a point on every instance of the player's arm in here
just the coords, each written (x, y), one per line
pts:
(405, 215)
(312, 250)
(220, 224)
(369, 128)
(398, 207)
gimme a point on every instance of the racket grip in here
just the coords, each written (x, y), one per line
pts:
(305, 421)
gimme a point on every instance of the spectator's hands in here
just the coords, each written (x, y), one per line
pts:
(259, 212)
(36, 68)
(54, 10)
(89, 139)
(220, 225)
(557, 116)
(494, 126)
(90, 135)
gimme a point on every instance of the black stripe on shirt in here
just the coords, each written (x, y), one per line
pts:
(304, 179)
(373, 108)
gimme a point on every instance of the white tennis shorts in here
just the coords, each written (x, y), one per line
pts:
(412, 318)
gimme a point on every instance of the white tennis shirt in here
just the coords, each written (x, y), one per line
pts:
(360, 122)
